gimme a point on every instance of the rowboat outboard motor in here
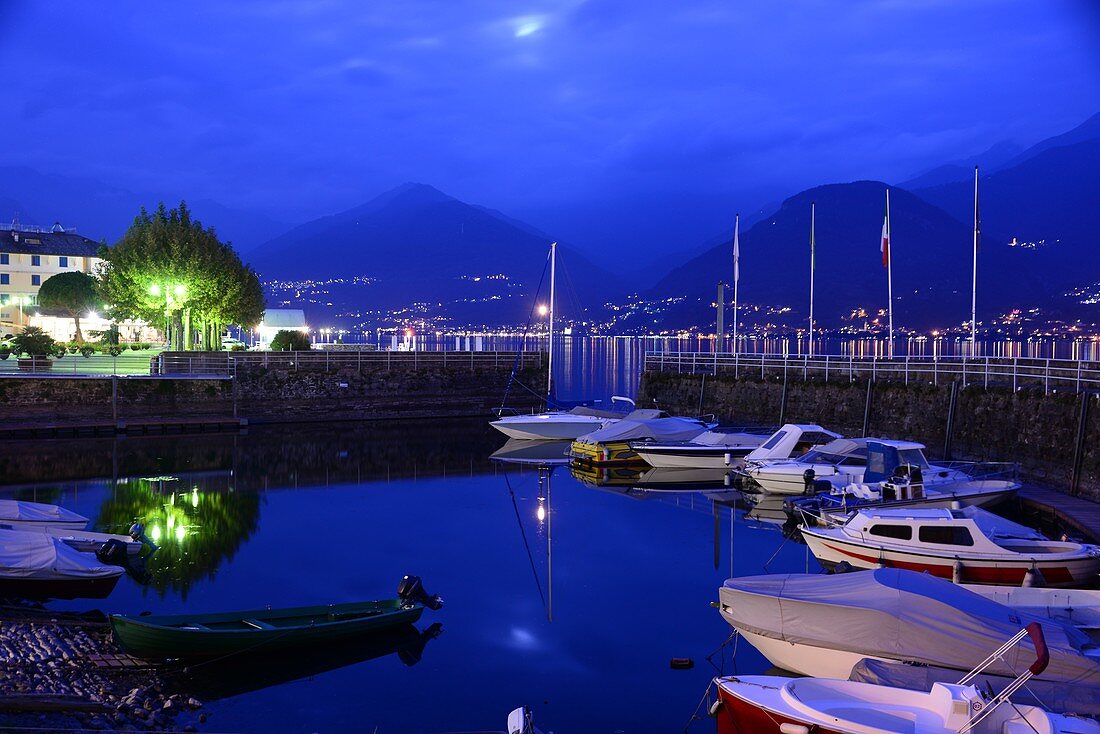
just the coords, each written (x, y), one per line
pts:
(112, 553)
(808, 481)
(410, 591)
(137, 532)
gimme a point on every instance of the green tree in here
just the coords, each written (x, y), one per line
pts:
(72, 293)
(290, 340)
(169, 268)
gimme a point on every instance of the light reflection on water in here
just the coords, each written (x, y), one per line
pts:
(575, 613)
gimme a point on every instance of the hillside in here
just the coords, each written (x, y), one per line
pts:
(415, 244)
(932, 261)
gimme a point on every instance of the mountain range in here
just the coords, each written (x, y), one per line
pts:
(415, 251)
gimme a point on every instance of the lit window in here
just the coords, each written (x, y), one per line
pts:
(36, 280)
(62, 262)
(36, 259)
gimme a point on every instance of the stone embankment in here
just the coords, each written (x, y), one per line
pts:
(277, 391)
(51, 680)
(1044, 433)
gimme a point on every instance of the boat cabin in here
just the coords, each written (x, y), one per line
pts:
(971, 529)
(792, 439)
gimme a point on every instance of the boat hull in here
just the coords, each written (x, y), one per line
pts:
(544, 428)
(709, 457)
(211, 635)
(819, 662)
(738, 715)
(980, 498)
(830, 550)
(98, 587)
(604, 454)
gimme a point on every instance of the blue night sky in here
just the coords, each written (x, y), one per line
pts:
(604, 122)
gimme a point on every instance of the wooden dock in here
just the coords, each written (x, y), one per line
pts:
(127, 426)
(1073, 512)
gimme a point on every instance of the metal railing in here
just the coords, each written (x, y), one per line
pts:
(1015, 372)
(227, 363)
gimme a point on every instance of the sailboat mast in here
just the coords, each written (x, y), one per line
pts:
(550, 343)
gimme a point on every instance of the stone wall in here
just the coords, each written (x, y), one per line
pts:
(1038, 431)
(265, 394)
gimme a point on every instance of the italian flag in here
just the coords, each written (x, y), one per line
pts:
(885, 246)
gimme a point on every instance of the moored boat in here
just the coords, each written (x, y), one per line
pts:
(612, 445)
(187, 636)
(38, 566)
(721, 448)
(559, 425)
(966, 545)
(759, 704)
(21, 515)
(826, 625)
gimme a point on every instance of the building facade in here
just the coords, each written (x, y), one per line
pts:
(30, 255)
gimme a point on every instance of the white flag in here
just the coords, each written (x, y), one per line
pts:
(736, 251)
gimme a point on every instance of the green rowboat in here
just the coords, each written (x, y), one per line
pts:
(186, 636)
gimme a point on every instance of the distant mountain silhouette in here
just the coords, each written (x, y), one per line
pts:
(422, 245)
(103, 212)
(932, 262)
(996, 157)
(1050, 197)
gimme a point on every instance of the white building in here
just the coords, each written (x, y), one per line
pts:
(280, 319)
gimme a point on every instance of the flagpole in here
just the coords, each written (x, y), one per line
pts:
(810, 349)
(974, 289)
(550, 340)
(736, 275)
(889, 276)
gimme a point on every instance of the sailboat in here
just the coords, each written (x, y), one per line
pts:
(558, 425)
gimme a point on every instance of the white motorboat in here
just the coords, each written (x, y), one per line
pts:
(560, 425)
(725, 448)
(612, 445)
(846, 461)
(966, 545)
(763, 704)
(825, 625)
(38, 565)
(21, 515)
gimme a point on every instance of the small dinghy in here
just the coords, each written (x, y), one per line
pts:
(22, 515)
(35, 565)
(184, 636)
(761, 704)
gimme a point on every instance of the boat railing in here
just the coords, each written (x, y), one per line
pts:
(980, 470)
(1016, 373)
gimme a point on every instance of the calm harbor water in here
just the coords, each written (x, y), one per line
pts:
(576, 614)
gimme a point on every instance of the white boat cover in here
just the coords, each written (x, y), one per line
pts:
(41, 556)
(647, 423)
(1054, 695)
(903, 615)
(19, 511)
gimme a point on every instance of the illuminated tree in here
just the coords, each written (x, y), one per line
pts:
(73, 294)
(169, 268)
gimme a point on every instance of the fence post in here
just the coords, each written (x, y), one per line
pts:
(964, 370)
(693, 355)
(906, 370)
(1015, 361)
(987, 373)
(952, 402)
(851, 370)
(761, 366)
(1046, 378)
(1078, 375)
(826, 368)
(1079, 446)
(805, 367)
(867, 406)
(874, 370)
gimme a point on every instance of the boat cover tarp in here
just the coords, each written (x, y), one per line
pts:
(1053, 695)
(18, 511)
(901, 615)
(37, 555)
(647, 424)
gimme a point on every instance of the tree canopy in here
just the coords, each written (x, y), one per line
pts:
(168, 267)
(73, 294)
(290, 340)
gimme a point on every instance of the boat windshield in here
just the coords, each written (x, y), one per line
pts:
(914, 457)
(817, 456)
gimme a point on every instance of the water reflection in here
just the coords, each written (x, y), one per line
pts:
(195, 529)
